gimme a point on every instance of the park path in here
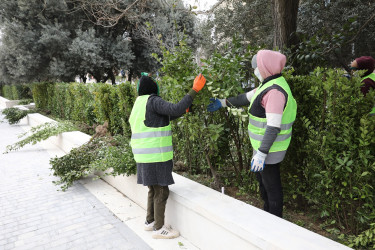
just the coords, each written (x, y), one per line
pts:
(35, 215)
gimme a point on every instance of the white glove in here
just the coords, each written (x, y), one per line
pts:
(258, 161)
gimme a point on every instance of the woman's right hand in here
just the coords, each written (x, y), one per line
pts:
(199, 83)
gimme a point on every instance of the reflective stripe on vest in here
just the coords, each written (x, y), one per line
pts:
(152, 150)
(148, 144)
(278, 138)
(372, 77)
(257, 126)
(151, 134)
(264, 124)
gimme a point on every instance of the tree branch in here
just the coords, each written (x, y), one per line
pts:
(108, 14)
(354, 37)
(211, 10)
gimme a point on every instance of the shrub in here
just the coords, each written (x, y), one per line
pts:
(106, 107)
(213, 143)
(1, 89)
(126, 98)
(76, 164)
(99, 154)
(40, 133)
(59, 100)
(15, 95)
(80, 101)
(365, 240)
(330, 162)
(17, 91)
(24, 91)
(25, 101)
(329, 167)
(114, 104)
(7, 91)
(40, 95)
(90, 104)
(50, 87)
(14, 115)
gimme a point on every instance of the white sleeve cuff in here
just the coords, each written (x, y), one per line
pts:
(223, 102)
(250, 94)
(261, 154)
(274, 120)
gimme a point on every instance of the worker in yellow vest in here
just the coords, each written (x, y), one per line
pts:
(151, 143)
(272, 111)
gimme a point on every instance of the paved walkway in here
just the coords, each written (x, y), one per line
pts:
(35, 215)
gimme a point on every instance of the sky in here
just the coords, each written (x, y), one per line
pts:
(201, 4)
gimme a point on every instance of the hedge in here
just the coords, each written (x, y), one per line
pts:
(329, 167)
(90, 104)
(16, 91)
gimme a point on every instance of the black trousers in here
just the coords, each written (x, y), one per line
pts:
(271, 189)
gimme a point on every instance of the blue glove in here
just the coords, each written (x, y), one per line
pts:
(258, 161)
(214, 105)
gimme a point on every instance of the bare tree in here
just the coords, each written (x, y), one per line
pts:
(109, 13)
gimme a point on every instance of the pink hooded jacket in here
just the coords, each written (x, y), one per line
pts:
(272, 63)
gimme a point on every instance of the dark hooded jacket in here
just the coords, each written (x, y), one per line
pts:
(158, 114)
(366, 63)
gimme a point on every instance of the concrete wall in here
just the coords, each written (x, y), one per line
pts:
(207, 218)
(5, 103)
(212, 220)
(65, 141)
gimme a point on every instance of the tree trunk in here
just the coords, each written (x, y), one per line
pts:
(84, 79)
(112, 76)
(130, 74)
(97, 76)
(285, 22)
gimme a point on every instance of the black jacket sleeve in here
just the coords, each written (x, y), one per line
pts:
(238, 101)
(159, 112)
(163, 107)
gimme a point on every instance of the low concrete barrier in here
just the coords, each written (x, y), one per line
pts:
(65, 141)
(25, 107)
(21, 107)
(207, 218)
(5, 103)
(211, 220)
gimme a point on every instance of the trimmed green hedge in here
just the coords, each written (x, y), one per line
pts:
(90, 104)
(2, 89)
(330, 165)
(16, 91)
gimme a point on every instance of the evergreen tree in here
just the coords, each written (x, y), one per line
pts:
(332, 15)
(249, 20)
(58, 40)
(322, 35)
(149, 24)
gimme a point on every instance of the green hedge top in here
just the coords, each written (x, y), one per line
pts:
(16, 91)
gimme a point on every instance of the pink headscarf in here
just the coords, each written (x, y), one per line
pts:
(270, 62)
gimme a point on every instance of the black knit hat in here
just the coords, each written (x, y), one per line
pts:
(147, 86)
